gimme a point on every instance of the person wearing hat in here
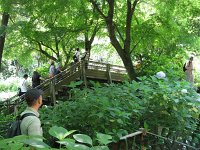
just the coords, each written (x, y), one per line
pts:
(31, 124)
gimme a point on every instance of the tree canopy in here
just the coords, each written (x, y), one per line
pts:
(149, 33)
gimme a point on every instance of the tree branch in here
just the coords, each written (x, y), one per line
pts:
(117, 29)
(94, 3)
(47, 46)
(129, 16)
(44, 52)
(134, 6)
(140, 40)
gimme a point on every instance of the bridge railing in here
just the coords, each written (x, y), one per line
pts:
(142, 139)
(48, 86)
(103, 67)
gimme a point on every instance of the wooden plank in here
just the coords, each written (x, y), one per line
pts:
(96, 74)
(131, 135)
(67, 80)
(118, 77)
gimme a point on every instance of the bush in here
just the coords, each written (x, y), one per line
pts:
(106, 109)
(120, 109)
(78, 142)
(43, 71)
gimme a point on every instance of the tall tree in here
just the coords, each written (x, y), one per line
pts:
(123, 47)
(4, 23)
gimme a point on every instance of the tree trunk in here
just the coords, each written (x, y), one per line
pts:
(123, 53)
(88, 46)
(88, 42)
(124, 50)
(4, 23)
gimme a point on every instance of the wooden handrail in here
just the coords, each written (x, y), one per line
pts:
(45, 85)
(131, 135)
(142, 132)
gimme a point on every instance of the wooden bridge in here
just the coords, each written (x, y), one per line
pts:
(84, 70)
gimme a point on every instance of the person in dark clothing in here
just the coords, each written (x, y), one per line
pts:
(58, 70)
(35, 79)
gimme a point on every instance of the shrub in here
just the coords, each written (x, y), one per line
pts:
(10, 84)
(118, 109)
(78, 142)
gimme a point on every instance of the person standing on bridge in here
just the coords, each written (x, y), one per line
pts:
(24, 85)
(52, 70)
(36, 79)
(76, 56)
(189, 71)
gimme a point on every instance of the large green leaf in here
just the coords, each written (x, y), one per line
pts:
(104, 139)
(77, 147)
(82, 138)
(16, 146)
(35, 143)
(60, 132)
(67, 142)
(99, 148)
(3, 145)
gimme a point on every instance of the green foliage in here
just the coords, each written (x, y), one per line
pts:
(44, 70)
(9, 87)
(5, 121)
(60, 132)
(120, 109)
(157, 30)
(78, 143)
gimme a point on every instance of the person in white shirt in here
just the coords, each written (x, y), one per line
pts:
(24, 85)
(76, 56)
(189, 71)
(52, 70)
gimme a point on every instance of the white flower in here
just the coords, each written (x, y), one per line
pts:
(198, 99)
(160, 75)
(45, 106)
(184, 91)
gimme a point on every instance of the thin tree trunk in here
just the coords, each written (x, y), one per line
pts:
(4, 23)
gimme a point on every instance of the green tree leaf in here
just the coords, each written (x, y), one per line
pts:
(104, 139)
(60, 132)
(35, 143)
(82, 138)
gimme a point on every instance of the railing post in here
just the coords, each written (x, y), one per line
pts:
(83, 73)
(71, 68)
(16, 110)
(52, 91)
(108, 73)
(142, 138)
(8, 106)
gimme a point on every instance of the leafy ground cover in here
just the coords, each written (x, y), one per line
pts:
(64, 138)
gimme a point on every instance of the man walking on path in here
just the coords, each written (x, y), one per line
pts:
(24, 85)
(189, 71)
(76, 56)
(31, 125)
(52, 70)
